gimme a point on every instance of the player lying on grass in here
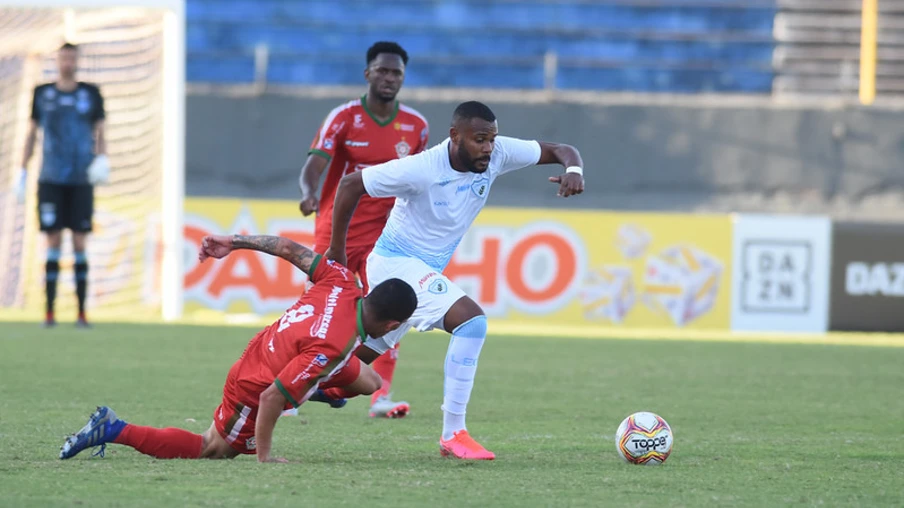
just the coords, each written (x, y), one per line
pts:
(310, 346)
(439, 193)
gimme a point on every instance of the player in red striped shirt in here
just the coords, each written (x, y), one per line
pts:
(364, 132)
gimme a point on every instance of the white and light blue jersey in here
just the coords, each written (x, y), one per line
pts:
(435, 205)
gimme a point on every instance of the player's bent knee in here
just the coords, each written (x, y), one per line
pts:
(461, 312)
(368, 381)
(213, 446)
(474, 327)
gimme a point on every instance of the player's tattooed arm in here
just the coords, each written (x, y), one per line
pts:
(219, 246)
(295, 253)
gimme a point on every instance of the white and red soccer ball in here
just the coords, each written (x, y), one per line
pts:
(644, 438)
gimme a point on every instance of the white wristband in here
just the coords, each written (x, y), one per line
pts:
(575, 169)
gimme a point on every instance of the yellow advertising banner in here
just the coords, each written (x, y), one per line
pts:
(524, 266)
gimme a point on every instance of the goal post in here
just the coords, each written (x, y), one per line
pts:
(135, 52)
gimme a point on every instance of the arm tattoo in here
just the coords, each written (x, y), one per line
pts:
(297, 254)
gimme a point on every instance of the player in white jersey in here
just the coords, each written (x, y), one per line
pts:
(439, 193)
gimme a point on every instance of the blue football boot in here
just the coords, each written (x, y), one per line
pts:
(103, 427)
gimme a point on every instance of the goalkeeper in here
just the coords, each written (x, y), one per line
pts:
(71, 115)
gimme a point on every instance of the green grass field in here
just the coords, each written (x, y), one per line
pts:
(754, 424)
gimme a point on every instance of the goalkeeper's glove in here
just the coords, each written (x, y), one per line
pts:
(21, 182)
(99, 170)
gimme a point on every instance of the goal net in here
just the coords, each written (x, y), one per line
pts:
(133, 51)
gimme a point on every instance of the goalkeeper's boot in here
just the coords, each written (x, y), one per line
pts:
(385, 407)
(462, 446)
(82, 321)
(103, 427)
(49, 320)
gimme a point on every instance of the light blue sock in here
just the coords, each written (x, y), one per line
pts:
(460, 369)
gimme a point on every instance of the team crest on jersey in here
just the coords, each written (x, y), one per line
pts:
(82, 101)
(480, 187)
(438, 287)
(402, 149)
(49, 93)
(321, 360)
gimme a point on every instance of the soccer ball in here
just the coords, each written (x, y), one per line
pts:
(644, 438)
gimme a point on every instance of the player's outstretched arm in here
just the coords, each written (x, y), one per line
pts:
(219, 246)
(350, 190)
(572, 181)
(270, 406)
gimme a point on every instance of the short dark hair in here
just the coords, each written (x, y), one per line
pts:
(473, 109)
(69, 45)
(392, 299)
(386, 47)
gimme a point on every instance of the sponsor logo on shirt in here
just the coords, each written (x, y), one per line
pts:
(445, 183)
(404, 127)
(83, 102)
(425, 278)
(424, 133)
(359, 122)
(331, 301)
(328, 143)
(321, 360)
(356, 143)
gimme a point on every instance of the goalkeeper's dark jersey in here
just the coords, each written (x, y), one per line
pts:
(67, 120)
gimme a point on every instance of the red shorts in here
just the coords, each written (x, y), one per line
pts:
(236, 416)
(357, 261)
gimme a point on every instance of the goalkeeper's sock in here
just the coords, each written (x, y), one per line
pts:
(81, 281)
(460, 370)
(52, 272)
(169, 443)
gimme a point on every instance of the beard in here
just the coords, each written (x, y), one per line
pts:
(471, 163)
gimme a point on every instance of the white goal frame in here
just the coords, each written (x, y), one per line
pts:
(173, 157)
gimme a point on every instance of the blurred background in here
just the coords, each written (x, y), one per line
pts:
(690, 115)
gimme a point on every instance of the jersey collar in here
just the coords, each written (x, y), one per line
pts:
(388, 121)
(361, 332)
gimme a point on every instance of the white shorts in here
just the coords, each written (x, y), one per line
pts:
(435, 295)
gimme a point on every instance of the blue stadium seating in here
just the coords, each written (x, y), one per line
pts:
(674, 45)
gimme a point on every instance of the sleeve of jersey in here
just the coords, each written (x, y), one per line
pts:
(325, 270)
(330, 135)
(398, 178)
(425, 138)
(517, 153)
(99, 112)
